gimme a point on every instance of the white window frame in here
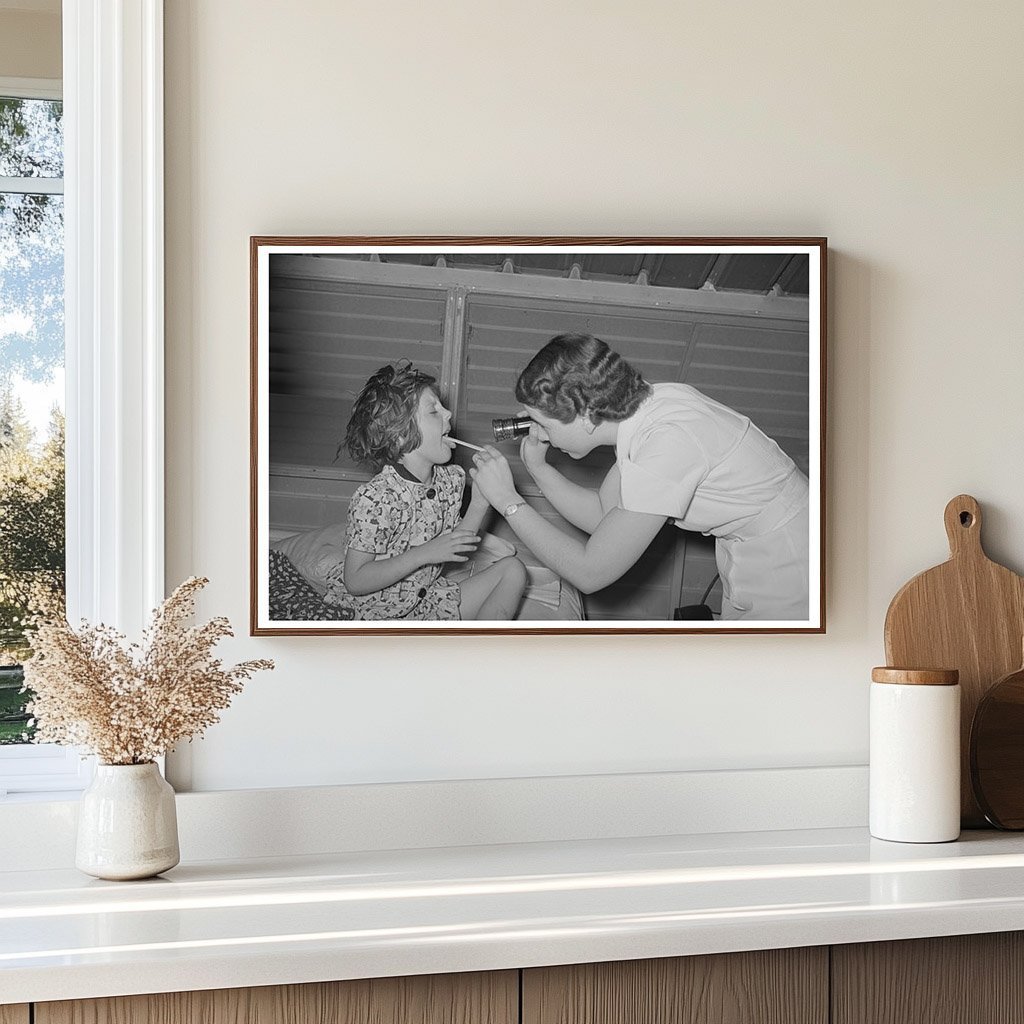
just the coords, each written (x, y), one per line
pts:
(37, 767)
(114, 337)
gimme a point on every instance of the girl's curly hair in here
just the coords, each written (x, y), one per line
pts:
(579, 375)
(382, 427)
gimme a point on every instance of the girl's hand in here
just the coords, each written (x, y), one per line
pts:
(492, 476)
(533, 450)
(454, 546)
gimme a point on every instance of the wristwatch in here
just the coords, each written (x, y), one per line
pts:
(513, 508)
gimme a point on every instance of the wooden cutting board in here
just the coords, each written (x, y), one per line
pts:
(967, 614)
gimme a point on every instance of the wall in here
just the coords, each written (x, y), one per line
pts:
(892, 129)
(30, 43)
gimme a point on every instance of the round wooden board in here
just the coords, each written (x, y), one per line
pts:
(997, 752)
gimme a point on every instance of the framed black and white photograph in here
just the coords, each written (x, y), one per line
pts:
(537, 435)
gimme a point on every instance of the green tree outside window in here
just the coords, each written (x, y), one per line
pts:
(31, 355)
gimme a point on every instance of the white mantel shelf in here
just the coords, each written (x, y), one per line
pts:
(225, 924)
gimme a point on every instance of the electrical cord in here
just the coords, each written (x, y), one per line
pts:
(711, 586)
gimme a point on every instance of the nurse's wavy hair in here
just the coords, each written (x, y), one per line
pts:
(579, 375)
(382, 427)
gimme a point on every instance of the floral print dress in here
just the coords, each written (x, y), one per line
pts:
(387, 516)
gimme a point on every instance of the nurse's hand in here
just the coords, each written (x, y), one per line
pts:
(533, 450)
(492, 477)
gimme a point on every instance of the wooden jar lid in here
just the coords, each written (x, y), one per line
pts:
(918, 676)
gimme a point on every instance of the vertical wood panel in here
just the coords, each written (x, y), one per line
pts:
(787, 986)
(481, 998)
(962, 979)
(14, 1014)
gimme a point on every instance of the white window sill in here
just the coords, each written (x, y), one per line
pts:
(42, 797)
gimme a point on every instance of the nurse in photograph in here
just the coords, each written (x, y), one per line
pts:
(679, 456)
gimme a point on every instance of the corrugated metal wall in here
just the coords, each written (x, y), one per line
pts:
(326, 339)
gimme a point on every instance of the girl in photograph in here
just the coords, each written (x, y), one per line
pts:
(679, 456)
(404, 523)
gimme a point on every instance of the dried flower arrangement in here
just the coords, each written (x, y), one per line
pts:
(130, 704)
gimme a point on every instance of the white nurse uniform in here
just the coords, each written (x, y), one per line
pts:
(711, 470)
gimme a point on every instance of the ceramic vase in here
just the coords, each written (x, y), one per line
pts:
(127, 825)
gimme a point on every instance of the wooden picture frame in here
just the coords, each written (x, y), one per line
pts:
(741, 320)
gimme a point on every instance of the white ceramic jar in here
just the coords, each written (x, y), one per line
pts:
(915, 755)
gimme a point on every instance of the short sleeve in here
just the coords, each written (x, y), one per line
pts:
(662, 472)
(458, 475)
(454, 485)
(372, 520)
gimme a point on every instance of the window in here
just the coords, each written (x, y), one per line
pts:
(31, 383)
(113, 337)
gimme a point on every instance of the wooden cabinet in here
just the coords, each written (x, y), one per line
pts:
(962, 979)
(777, 986)
(967, 979)
(491, 998)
